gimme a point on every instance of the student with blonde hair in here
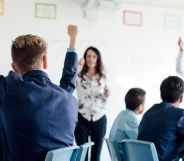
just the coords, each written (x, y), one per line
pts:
(35, 114)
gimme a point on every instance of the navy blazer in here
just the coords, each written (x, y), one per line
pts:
(35, 114)
(163, 124)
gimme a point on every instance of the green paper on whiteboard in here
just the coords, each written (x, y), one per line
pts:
(45, 11)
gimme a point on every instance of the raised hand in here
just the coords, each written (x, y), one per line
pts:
(72, 32)
(106, 92)
(180, 44)
(81, 62)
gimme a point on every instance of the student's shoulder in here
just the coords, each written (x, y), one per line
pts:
(9, 81)
(125, 115)
(60, 91)
(179, 110)
(176, 112)
(11, 76)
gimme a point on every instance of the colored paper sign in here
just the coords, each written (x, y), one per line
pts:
(132, 18)
(1, 7)
(45, 10)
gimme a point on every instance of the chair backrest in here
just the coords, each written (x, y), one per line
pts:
(136, 150)
(63, 154)
(83, 151)
(114, 150)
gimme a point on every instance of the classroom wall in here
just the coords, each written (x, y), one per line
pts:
(133, 56)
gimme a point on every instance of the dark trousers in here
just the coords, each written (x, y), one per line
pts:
(96, 130)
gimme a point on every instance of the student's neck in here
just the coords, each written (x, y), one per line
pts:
(136, 112)
(175, 104)
(23, 72)
(91, 72)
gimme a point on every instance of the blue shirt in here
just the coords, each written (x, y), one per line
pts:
(163, 124)
(35, 114)
(125, 126)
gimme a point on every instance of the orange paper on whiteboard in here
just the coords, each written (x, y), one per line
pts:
(1, 7)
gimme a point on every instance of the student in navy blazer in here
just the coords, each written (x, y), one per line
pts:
(35, 114)
(163, 123)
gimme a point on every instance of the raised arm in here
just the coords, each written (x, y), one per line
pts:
(180, 59)
(72, 32)
(180, 44)
(68, 79)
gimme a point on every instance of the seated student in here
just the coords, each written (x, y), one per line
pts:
(163, 123)
(180, 58)
(127, 122)
(35, 114)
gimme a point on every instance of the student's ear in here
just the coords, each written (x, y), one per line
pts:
(44, 61)
(141, 108)
(14, 67)
(181, 99)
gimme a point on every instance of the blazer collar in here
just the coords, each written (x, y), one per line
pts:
(36, 73)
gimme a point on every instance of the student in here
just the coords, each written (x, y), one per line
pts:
(180, 58)
(35, 114)
(163, 123)
(126, 124)
(92, 97)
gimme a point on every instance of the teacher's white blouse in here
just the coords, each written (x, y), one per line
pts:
(91, 98)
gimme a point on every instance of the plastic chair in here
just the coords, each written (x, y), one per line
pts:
(137, 150)
(114, 150)
(63, 154)
(83, 151)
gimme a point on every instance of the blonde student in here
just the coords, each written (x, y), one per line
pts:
(35, 114)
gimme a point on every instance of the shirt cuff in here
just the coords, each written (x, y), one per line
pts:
(71, 50)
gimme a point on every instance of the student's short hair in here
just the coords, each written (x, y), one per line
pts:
(171, 89)
(26, 51)
(134, 98)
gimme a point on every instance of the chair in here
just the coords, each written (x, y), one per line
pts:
(114, 150)
(136, 150)
(63, 154)
(83, 151)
